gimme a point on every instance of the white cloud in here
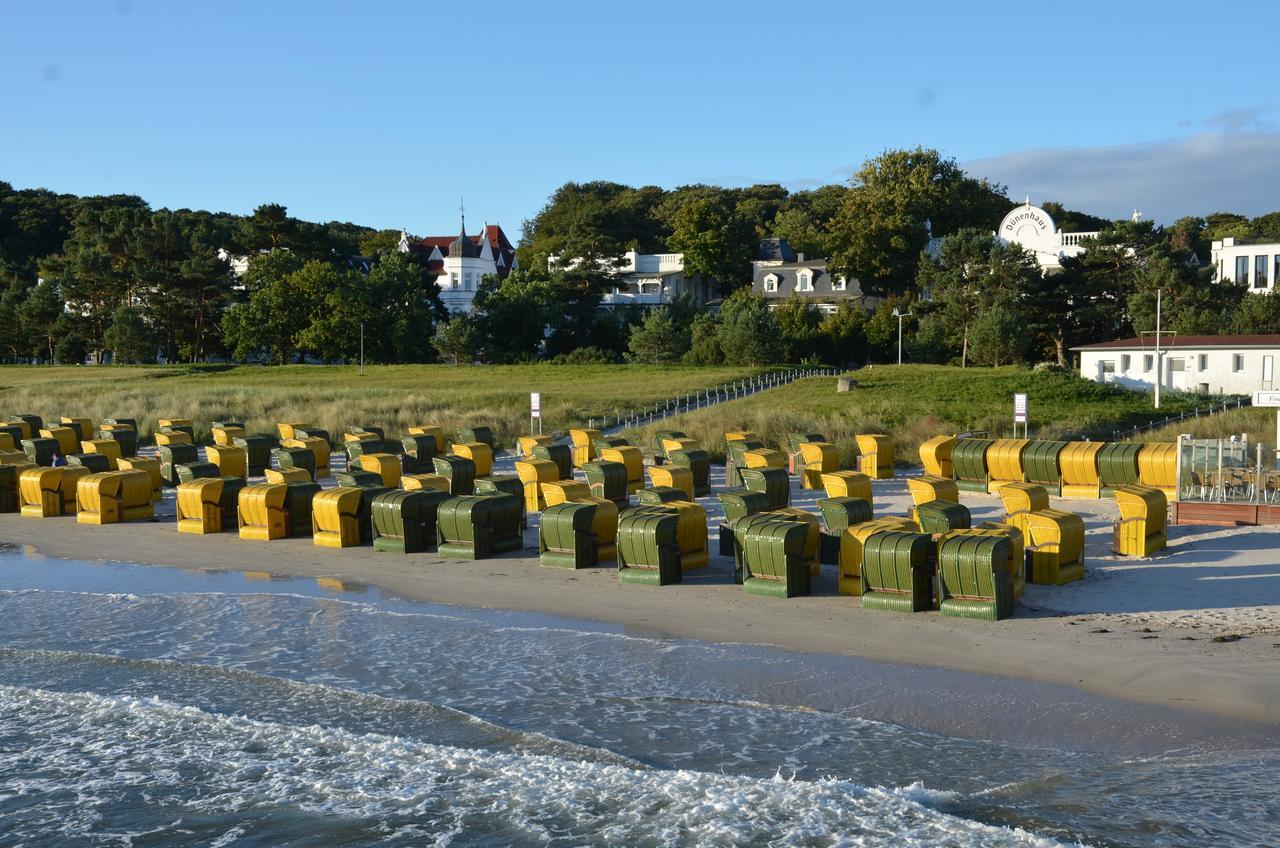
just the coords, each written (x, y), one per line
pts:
(1232, 171)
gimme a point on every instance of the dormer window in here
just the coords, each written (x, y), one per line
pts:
(771, 282)
(839, 284)
(805, 281)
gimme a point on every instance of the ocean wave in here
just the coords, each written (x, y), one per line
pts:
(93, 750)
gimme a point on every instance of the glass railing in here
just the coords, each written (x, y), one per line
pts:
(1228, 471)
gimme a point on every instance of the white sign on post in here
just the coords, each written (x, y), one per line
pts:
(535, 404)
(1019, 408)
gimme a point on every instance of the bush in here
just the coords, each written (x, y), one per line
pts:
(586, 356)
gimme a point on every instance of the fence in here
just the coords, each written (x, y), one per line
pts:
(1212, 409)
(627, 419)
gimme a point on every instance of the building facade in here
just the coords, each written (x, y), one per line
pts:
(461, 262)
(1255, 266)
(778, 272)
(649, 279)
(1033, 229)
(1234, 365)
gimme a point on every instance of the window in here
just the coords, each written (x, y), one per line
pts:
(1275, 272)
(841, 284)
(1124, 362)
(1147, 362)
(806, 281)
(1202, 362)
(1177, 365)
(1260, 272)
(1242, 270)
(453, 280)
(1108, 367)
(466, 281)
(770, 283)
(1237, 362)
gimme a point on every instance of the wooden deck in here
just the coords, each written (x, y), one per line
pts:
(1226, 514)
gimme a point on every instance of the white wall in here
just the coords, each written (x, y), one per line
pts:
(1226, 252)
(1215, 367)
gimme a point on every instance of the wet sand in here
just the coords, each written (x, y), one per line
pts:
(1151, 665)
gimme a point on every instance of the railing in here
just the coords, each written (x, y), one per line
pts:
(1073, 239)
(1212, 409)
(627, 419)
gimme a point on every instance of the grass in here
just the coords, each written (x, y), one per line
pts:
(336, 397)
(1258, 424)
(915, 402)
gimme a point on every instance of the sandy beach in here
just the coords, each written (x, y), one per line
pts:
(1137, 630)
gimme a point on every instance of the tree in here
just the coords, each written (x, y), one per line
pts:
(1257, 313)
(805, 219)
(704, 341)
(456, 339)
(843, 335)
(277, 312)
(15, 342)
(749, 333)
(71, 349)
(658, 340)
(716, 241)
(880, 230)
(973, 273)
(268, 228)
(996, 336)
(40, 313)
(511, 316)
(406, 302)
(798, 324)
(337, 303)
(129, 338)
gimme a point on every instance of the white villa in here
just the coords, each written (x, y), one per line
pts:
(650, 279)
(1255, 266)
(1033, 229)
(461, 262)
(1234, 365)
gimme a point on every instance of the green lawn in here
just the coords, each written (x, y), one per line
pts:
(336, 397)
(914, 402)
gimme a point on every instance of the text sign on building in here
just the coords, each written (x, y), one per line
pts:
(1266, 398)
(1019, 408)
(535, 404)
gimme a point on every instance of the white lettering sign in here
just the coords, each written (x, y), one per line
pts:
(1019, 408)
(1266, 398)
(535, 404)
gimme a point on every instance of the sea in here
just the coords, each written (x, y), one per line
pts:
(152, 706)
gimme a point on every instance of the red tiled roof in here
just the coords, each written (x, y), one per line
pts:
(1171, 340)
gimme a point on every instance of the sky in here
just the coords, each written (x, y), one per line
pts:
(393, 114)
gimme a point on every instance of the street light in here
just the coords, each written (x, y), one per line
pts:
(899, 316)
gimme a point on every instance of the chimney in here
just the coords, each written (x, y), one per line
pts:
(799, 257)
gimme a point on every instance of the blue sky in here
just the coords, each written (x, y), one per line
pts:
(385, 113)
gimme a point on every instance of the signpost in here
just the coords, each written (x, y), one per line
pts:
(1020, 414)
(1268, 399)
(535, 410)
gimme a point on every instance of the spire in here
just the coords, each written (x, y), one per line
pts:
(1028, 200)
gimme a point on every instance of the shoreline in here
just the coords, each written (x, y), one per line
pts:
(1215, 686)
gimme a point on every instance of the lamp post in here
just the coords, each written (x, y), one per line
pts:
(899, 316)
(1159, 362)
(361, 348)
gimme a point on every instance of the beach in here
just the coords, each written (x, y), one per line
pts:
(1140, 630)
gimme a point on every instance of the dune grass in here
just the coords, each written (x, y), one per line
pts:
(1258, 424)
(336, 397)
(915, 402)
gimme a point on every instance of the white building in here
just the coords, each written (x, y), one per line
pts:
(1033, 229)
(1255, 266)
(462, 262)
(1234, 365)
(649, 279)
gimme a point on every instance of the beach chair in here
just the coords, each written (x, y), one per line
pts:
(504, 484)
(769, 555)
(564, 491)
(838, 515)
(357, 444)
(152, 467)
(735, 450)
(232, 461)
(193, 470)
(1004, 462)
(478, 433)
(533, 474)
(567, 536)
(699, 464)
(319, 448)
(561, 455)
(1118, 466)
(608, 480)
(526, 444)
(405, 521)
(1020, 500)
(108, 448)
(1141, 529)
(1158, 467)
(262, 511)
(816, 459)
(335, 520)
(737, 503)
(41, 450)
(9, 498)
(68, 439)
(419, 450)
(896, 575)
(926, 489)
(794, 457)
(1055, 546)
(169, 437)
(1042, 465)
(385, 465)
(125, 435)
(424, 482)
(649, 547)
(480, 454)
(1078, 462)
(875, 455)
(584, 450)
(659, 495)
(114, 496)
(973, 577)
(49, 492)
(937, 517)
(95, 462)
(935, 456)
(1017, 562)
(478, 526)
(852, 543)
(257, 453)
(287, 475)
(774, 482)
(178, 425)
(848, 484)
(208, 505)
(172, 456)
(460, 471)
(435, 432)
(813, 535)
(631, 459)
(672, 477)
